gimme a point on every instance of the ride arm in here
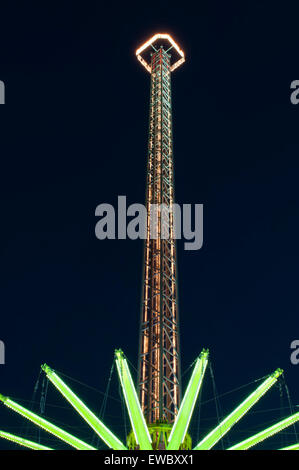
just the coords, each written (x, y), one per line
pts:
(138, 423)
(46, 425)
(262, 435)
(102, 431)
(214, 436)
(183, 418)
(23, 442)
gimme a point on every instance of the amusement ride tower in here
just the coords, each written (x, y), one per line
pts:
(159, 357)
(159, 416)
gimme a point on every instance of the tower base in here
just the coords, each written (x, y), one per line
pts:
(159, 433)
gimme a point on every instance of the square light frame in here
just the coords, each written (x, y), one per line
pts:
(150, 42)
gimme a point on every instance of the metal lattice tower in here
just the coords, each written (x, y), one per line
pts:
(159, 356)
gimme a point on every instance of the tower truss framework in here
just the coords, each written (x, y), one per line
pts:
(159, 351)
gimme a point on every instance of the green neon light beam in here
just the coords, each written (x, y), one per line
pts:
(183, 418)
(262, 435)
(46, 425)
(102, 431)
(23, 442)
(139, 426)
(216, 434)
(292, 447)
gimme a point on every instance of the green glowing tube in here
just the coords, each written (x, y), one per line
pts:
(216, 434)
(102, 431)
(292, 447)
(139, 426)
(46, 425)
(260, 436)
(183, 418)
(23, 442)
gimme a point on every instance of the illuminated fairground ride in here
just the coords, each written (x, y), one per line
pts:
(159, 417)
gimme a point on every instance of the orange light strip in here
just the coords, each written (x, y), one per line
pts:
(144, 63)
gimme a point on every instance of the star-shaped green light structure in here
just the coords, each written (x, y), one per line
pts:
(174, 436)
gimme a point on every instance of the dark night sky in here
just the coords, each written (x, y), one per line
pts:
(74, 135)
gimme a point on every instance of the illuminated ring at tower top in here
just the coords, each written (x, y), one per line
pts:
(150, 42)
